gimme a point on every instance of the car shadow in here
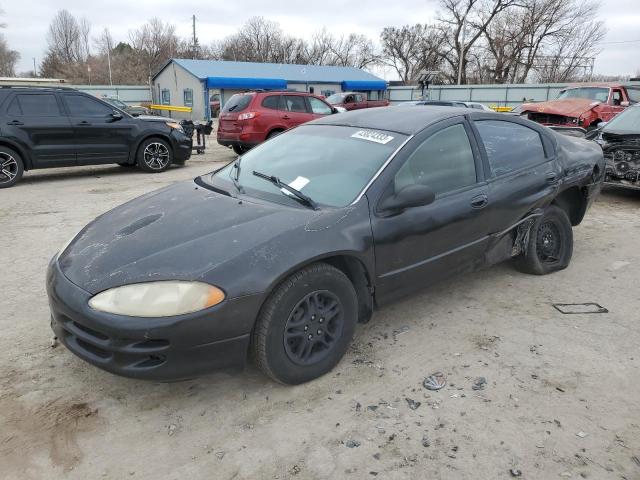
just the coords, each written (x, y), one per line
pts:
(38, 176)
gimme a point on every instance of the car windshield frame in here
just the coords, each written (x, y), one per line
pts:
(333, 165)
(562, 96)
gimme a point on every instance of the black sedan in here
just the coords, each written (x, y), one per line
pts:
(280, 253)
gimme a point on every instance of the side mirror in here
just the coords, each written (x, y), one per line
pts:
(115, 115)
(601, 124)
(338, 109)
(410, 196)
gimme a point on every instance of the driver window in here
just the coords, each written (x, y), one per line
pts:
(444, 162)
(617, 97)
(349, 99)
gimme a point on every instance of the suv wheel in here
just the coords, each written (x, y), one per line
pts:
(306, 325)
(238, 149)
(550, 244)
(154, 155)
(11, 167)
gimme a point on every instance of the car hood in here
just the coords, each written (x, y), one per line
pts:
(182, 232)
(569, 107)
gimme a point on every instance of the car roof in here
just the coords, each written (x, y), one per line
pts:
(398, 120)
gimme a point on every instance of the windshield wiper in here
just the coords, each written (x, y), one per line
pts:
(280, 184)
(236, 177)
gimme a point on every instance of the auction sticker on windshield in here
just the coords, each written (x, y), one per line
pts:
(373, 136)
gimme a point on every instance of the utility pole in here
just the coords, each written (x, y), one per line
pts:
(109, 62)
(35, 72)
(461, 53)
(195, 39)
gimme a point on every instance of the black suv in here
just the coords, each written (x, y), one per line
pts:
(62, 127)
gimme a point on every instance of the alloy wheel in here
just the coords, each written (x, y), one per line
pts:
(8, 167)
(156, 156)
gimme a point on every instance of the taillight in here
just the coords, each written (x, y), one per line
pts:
(248, 115)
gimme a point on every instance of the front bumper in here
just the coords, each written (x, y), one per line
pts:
(170, 348)
(183, 146)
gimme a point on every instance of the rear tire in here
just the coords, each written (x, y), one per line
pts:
(11, 167)
(238, 149)
(275, 133)
(550, 244)
(306, 325)
(154, 155)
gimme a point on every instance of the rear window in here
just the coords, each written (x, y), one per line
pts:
(237, 103)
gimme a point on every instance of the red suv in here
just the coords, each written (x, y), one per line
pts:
(248, 119)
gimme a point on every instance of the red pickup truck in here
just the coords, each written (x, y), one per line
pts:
(354, 101)
(583, 105)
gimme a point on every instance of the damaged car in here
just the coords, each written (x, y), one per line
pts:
(278, 255)
(620, 141)
(583, 106)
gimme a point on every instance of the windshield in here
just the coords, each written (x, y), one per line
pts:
(599, 94)
(335, 98)
(627, 121)
(115, 102)
(330, 164)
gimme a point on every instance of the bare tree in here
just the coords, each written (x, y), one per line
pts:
(411, 49)
(463, 23)
(8, 57)
(153, 44)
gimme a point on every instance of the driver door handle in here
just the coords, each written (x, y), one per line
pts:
(479, 201)
(83, 123)
(286, 117)
(15, 122)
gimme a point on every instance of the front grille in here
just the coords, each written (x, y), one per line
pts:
(102, 348)
(549, 118)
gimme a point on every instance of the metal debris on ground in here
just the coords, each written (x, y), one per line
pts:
(352, 443)
(581, 434)
(579, 308)
(435, 381)
(425, 441)
(515, 472)
(413, 405)
(479, 383)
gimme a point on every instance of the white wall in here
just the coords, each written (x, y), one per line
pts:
(176, 79)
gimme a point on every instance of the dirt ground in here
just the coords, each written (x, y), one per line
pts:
(562, 398)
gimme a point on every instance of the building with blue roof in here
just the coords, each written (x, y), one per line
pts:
(201, 83)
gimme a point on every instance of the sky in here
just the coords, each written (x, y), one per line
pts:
(28, 20)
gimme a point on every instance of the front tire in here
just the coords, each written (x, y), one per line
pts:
(154, 155)
(11, 167)
(550, 244)
(238, 149)
(306, 325)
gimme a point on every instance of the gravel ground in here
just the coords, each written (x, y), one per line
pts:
(561, 398)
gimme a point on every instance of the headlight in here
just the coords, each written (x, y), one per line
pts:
(175, 125)
(157, 299)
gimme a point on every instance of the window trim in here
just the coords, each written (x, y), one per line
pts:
(547, 146)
